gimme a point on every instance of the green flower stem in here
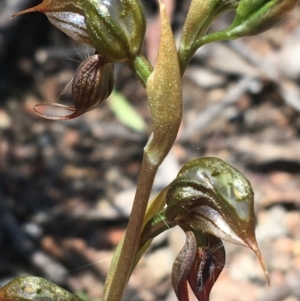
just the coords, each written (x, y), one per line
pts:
(122, 262)
(185, 55)
(155, 226)
(121, 267)
(141, 67)
(187, 50)
(214, 37)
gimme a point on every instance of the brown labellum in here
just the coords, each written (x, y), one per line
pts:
(207, 266)
(92, 84)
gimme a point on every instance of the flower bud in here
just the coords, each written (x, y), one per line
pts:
(252, 17)
(92, 84)
(200, 15)
(256, 16)
(115, 28)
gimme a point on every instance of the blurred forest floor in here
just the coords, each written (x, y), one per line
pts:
(66, 188)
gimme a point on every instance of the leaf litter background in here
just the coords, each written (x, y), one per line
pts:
(66, 187)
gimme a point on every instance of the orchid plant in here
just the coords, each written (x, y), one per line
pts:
(209, 199)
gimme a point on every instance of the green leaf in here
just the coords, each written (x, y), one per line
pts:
(125, 112)
(30, 288)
